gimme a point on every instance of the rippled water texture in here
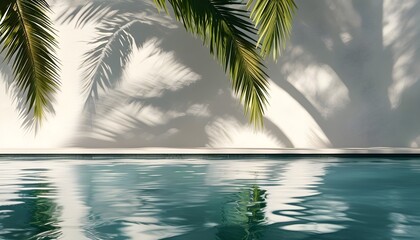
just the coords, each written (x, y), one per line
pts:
(199, 198)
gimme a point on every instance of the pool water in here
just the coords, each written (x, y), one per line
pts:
(210, 198)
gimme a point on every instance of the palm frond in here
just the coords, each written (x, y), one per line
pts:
(274, 21)
(105, 62)
(225, 29)
(28, 40)
(161, 5)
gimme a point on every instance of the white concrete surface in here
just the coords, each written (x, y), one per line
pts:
(349, 78)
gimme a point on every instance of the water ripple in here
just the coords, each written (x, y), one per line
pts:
(210, 199)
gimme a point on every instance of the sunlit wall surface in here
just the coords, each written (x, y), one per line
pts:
(348, 78)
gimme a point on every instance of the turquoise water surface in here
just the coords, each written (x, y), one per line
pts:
(203, 197)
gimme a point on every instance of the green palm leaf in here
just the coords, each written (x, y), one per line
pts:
(114, 42)
(274, 21)
(28, 40)
(225, 28)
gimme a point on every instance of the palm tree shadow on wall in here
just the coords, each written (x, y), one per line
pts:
(348, 37)
(181, 115)
(353, 49)
(83, 12)
(194, 108)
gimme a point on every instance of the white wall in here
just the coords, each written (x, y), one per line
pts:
(349, 78)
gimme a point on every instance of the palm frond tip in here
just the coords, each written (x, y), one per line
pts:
(225, 29)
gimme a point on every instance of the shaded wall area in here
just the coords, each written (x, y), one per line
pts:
(348, 78)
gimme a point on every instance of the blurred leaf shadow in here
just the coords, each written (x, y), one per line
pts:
(348, 45)
(117, 37)
(349, 38)
(124, 25)
(177, 124)
(82, 12)
(104, 63)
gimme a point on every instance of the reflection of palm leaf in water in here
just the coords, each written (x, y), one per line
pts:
(45, 213)
(37, 214)
(40, 214)
(104, 63)
(257, 205)
(242, 218)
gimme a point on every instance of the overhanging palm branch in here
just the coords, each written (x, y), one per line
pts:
(224, 27)
(114, 43)
(274, 21)
(28, 41)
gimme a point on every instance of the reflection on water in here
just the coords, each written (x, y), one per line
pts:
(244, 216)
(209, 199)
(32, 212)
